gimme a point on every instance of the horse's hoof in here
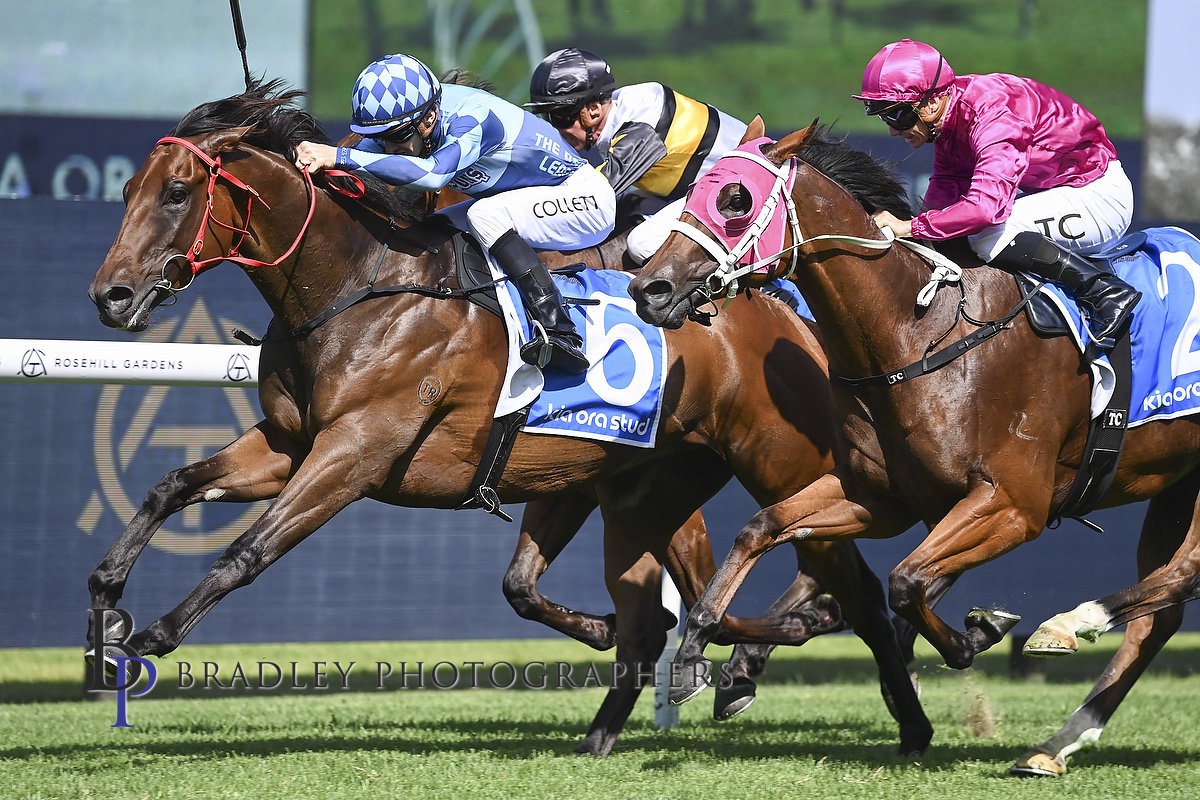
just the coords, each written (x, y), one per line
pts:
(685, 690)
(110, 664)
(915, 739)
(595, 744)
(994, 621)
(733, 699)
(1038, 764)
(1050, 643)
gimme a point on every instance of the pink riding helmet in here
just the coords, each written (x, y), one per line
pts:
(905, 71)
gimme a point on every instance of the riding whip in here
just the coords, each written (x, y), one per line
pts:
(239, 31)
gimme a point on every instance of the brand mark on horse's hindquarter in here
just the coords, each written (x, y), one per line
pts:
(1015, 427)
(429, 391)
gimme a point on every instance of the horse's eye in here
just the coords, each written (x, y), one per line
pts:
(177, 193)
(735, 201)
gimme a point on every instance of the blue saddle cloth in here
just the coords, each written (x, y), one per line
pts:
(1164, 266)
(620, 398)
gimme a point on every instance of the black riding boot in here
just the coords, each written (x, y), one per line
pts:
(544, 303)
(1106, 300)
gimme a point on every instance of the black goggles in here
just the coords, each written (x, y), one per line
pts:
(562, 117)
(899, 116)
(400, 134)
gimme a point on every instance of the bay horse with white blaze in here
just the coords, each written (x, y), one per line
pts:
(983, 451)
(392, 398)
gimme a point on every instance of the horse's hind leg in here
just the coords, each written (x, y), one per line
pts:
(736, 688)
(1169, 572)
(1162, 537)
(634, 579)
(253, 467)
(547, 525)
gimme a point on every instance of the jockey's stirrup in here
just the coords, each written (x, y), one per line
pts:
(1106, 300)
(555, 342)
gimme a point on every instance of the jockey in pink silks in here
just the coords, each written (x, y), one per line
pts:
(1027, 174)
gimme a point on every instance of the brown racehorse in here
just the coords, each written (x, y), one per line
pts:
(983, 450)
(392, 399)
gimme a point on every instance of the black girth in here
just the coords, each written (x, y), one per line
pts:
(1106, 434)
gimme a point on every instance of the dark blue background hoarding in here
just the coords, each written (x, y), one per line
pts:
(77, 460)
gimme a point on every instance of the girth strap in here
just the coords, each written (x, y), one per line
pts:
(1106, 440)
(482, 492)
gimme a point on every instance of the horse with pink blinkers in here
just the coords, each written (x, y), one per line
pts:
(975, 428)
(392, 398)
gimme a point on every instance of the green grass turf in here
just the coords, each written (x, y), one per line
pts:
(817, 729)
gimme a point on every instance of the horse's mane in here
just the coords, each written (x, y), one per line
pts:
(277, 124)
(874, 184)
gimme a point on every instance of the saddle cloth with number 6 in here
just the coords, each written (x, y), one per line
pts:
(619, 399)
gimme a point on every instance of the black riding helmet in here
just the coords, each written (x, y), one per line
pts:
(569, 78)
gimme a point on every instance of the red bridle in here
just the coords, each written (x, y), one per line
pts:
(215, 172)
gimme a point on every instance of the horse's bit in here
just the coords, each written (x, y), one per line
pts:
(730, 254)
(217, 171)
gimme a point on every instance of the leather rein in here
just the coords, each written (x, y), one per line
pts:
(196, 265)
(730, 256)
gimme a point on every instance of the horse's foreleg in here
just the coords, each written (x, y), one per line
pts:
(985, 524)
(736, 688)
(253, 467)
(547, 526)
(821, 510)
(330, 478)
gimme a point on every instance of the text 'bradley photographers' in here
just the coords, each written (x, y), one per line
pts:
(115, 666)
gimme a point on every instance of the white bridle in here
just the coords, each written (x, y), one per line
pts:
(724, 279)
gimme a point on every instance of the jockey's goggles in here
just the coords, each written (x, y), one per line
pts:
(401, 133)
(898, 116)
(562, 117)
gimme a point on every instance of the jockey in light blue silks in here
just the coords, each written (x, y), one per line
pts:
(529, 189)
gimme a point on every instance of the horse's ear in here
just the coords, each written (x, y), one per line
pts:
(755, 130)
(229, 139)
(793, 143)
(350, 139)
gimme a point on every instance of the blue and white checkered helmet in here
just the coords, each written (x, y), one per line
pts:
(391, 91)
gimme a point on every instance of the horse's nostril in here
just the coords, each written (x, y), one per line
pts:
(118, 294)
(117, 298)
(657, 288)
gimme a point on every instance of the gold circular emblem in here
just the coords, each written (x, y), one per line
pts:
(429, 391)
